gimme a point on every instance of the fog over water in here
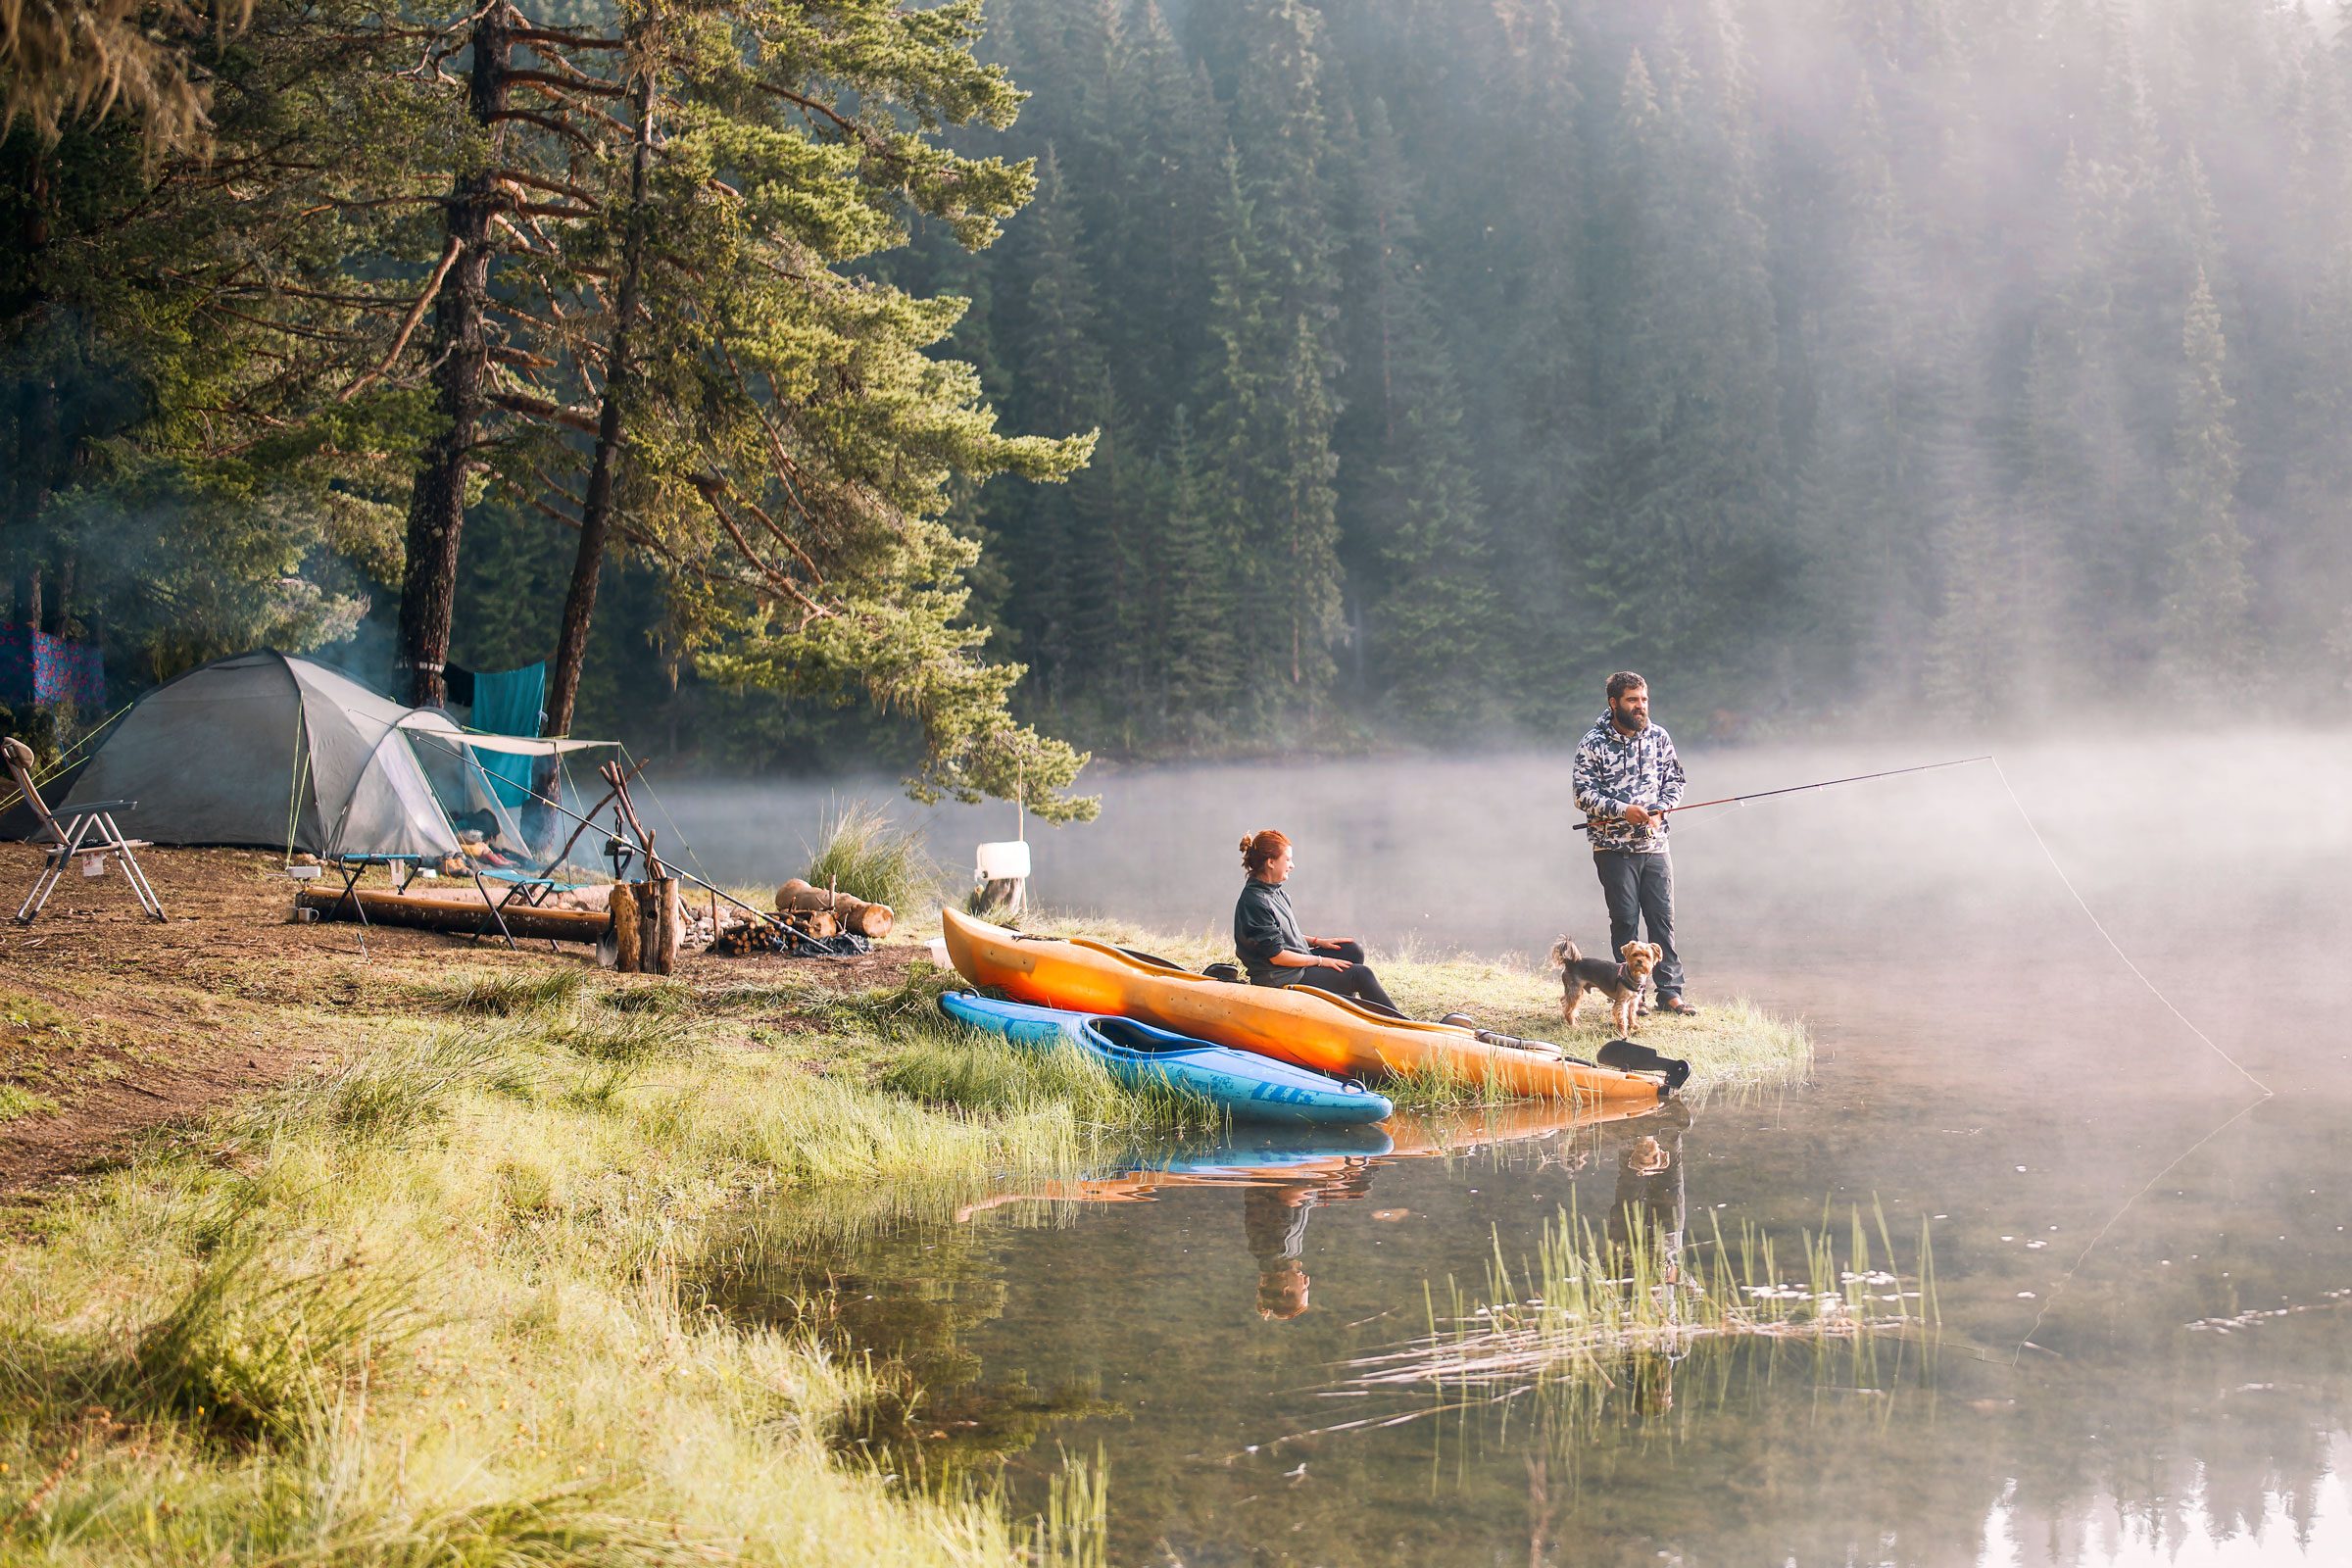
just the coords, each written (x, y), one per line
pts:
(2097, 1177)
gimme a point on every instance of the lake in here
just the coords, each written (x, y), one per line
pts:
(2140, 1258)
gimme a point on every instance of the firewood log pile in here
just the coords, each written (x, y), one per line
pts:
(797, 898)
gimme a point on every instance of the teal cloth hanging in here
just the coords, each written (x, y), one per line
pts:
(509, 701)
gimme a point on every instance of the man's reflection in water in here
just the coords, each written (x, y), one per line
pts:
(1274, 1217)
(1647, 1220)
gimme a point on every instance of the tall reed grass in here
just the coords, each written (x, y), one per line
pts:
(1593, 1296)
(863, 853)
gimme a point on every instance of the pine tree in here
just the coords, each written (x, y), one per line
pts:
(1197, 562)
(1280, 131)
(197, 451)
(1269, 430)
(799, 438)
(1430, 616)
(1967, 657)
(1057, 371)
(1871, 483)
(1157, 337)
(1302, 533)
(2207, 631)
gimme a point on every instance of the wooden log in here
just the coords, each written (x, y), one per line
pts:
(628, 952)
(670, 927)
(467, 915)
(855, 914)
(817, 923)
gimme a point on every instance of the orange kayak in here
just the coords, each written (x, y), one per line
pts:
(1296, 1024)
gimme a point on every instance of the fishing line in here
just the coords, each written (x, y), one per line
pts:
(2066, 1279)
(2137, 973)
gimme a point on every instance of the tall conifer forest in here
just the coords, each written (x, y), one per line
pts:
(1955, 358)
(1198, 376)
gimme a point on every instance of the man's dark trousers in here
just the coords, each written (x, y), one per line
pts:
(1639, 888)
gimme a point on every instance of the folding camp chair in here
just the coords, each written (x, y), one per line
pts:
(89, 831)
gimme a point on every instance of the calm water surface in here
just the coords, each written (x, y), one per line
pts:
(2141, 1262)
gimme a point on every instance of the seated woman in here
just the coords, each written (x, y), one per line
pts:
(1265, 933)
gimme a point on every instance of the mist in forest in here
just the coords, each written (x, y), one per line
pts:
(1909, 363)
(2202, 853)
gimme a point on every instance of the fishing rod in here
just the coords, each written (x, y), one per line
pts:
(1798, 788)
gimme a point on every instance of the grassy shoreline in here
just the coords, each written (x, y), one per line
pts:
(426, 1302)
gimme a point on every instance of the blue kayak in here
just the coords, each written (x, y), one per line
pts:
(1248, 1088)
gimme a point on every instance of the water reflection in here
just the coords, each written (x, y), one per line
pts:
(904, 1298)
(1985, 1062)
(1647, 1216)
(1285, 1174)
(1274, 1219)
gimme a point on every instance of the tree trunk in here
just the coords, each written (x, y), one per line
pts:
(855, 913)
(59, 613)
(628, 951)
(596, 512)
(465, 916)
(459, 353)
(36, 459)
(670, 926)
(35, 413)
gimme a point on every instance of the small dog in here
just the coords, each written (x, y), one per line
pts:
(1620, 984)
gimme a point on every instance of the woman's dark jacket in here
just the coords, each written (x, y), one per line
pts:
(1262, 926)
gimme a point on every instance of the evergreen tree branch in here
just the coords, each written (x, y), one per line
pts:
(408, 325)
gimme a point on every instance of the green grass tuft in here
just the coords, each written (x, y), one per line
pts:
(660, 996)
(977, 1071)
(1429, 1088)
(504, 993)
(631, 1039)
(1074, 1530)
(251, 1351)
(568, 1525)
(867, 855)
(400, 1090)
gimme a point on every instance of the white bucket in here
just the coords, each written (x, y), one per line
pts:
(1008, 861)
(938, 951)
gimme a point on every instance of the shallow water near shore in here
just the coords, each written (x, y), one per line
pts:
(2140, 1262)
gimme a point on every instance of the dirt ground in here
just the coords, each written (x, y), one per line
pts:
(113, 1026)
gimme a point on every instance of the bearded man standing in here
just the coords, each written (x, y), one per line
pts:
(1626, 780)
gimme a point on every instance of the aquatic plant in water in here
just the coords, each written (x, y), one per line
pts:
(1593, 1296)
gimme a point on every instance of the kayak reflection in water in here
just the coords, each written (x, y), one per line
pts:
(1274, 1217)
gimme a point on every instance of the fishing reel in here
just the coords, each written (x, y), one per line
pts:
(619, 852)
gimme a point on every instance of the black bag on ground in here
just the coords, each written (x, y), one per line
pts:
(1626, 1056)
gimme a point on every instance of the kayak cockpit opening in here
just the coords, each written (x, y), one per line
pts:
(1128, 1035)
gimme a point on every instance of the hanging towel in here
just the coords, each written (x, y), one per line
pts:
(38, 669)
(509, 701)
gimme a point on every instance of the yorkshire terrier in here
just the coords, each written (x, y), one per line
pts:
(1619, 984)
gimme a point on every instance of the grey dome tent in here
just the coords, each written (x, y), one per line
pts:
(272, 751)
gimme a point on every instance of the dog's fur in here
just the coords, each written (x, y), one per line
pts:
(1619, 984)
